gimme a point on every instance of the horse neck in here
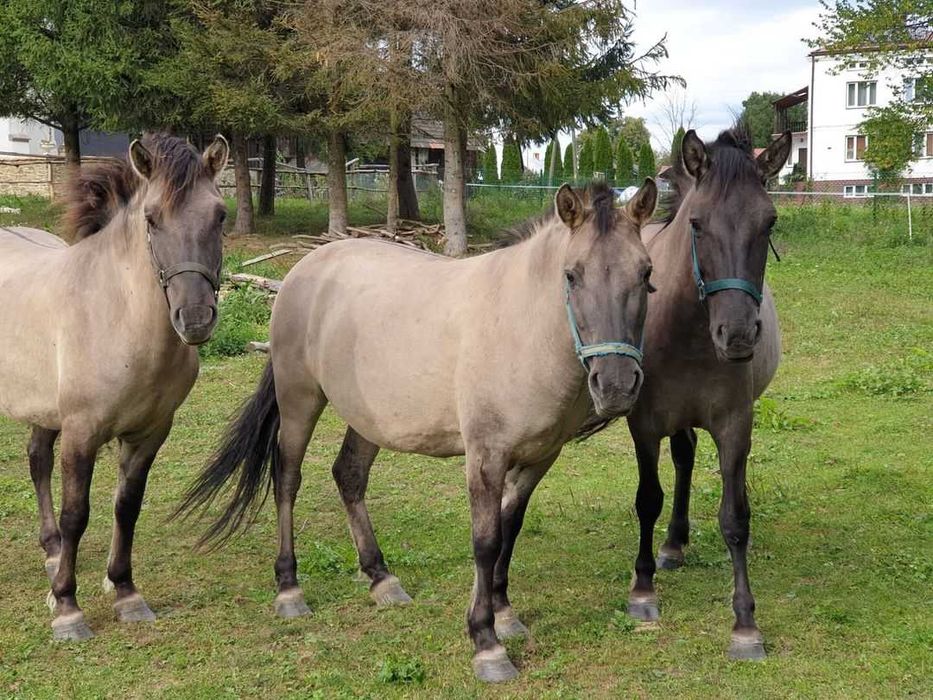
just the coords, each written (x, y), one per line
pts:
(130, 276)
(672, 258)
(539, 294)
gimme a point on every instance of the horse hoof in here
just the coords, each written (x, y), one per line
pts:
(670, 560)
(71, 628)
(493, 666)
(107, 585)
(289, 604)
(51, 567)
(508, 626)
(747, 646)
(133, 609)
(389, 592)
(644, 608)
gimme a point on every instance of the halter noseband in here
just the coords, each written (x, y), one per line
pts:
(707, 288)
(166, 273)
(597, 349)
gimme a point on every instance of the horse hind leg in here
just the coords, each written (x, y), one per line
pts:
(41, 463)
(135, 461)
(351, 472)
(683, 453)
(300, 410)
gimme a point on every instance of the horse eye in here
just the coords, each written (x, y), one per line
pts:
(221, 217)
(695, 223)
(150, 219)
(650, 287)
(570, 277)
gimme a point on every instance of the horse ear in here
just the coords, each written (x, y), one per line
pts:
(569, 206)
(641, 206)
(695, 155)
(772, 159)
(215, 156)
(141, 160)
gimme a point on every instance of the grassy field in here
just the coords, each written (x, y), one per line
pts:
(841, 560)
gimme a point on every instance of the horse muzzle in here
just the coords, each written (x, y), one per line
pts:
(194, 323)
(736, 342)
(614, 382)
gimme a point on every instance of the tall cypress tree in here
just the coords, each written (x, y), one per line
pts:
(586, 166)
(568, 162)
(625, 164)
(675, 146)
(602, 154)
(511, 162)
(490, 165)
(646, 163)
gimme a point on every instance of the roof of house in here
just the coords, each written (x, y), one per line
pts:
(429, 133)
(794, 98)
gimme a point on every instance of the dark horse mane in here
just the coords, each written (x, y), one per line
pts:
(96, 194)
(731, 159)
(601, 198)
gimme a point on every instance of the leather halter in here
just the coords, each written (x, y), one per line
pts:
(720, 285)
(596, 349)
(167, 273)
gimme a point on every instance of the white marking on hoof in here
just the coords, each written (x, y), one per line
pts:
(643, 606)
(509, 626)
(108, 585)
(389, 591)
(291, 603)
(362, 577)
(669, 559)
(71, 627)
(747, 645)
(494, 666)
(133, 608)
(50, 601)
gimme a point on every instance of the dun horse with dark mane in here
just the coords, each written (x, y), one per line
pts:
(99, 340)
(499, 357)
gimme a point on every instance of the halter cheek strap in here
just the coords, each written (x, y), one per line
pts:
(166, 273)
(597, 349)
(707, 288)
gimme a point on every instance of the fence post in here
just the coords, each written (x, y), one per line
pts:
(910, 220)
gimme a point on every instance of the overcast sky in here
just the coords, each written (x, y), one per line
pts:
(724, 50)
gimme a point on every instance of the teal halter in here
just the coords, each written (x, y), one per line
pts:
(597, 349)
(707, 288)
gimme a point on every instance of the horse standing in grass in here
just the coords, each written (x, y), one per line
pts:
(712, 345)
(99, 340)
(499, 357)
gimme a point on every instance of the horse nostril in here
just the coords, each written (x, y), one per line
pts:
(721, 333)
(757, 331)
(594, 381)
(636, 382)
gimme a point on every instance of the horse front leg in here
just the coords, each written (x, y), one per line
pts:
(642, 600)
(520, 483)
(136, 458)
(733, 436)
(683, 454)
(78, 456)
(486, 471)
(41, 462)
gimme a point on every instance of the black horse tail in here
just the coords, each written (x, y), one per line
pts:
(250, 448)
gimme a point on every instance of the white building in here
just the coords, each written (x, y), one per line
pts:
(828, 148)
(25, 137)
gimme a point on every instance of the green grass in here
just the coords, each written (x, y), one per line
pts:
(841, 559)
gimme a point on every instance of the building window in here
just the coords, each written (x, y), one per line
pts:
(918, 89)
(856, 191)
(923, 145)
(855, 147)
(918, 189)
(857, 65)
(861, 94)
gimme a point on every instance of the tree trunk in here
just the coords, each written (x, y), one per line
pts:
(392, 203)
(576, 156)
(244, 193)
(72, 138)
(555, 154)
(407, 194)
(454, 185)
(337, 181)
(267, 183)
(300, 152)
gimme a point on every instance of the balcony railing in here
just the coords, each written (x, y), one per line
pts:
(795, 125)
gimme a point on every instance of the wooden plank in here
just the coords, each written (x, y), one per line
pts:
(256, 281)
(266, 256)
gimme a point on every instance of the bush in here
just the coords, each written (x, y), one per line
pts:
(244, 316)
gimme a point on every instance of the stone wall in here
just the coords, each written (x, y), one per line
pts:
(37, 176)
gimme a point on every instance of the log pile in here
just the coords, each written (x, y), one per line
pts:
(410, 233)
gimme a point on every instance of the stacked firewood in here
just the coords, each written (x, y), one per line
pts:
(410, 233)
